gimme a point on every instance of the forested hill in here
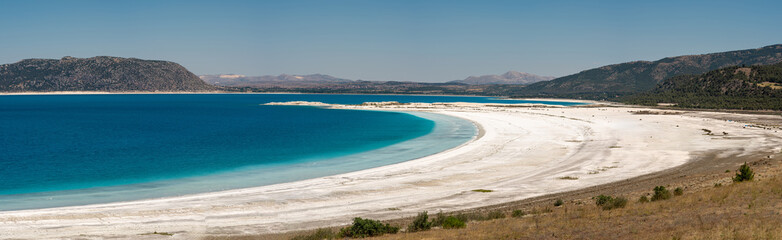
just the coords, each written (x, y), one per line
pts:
(633, 77)
(112, 74)
(738, 87)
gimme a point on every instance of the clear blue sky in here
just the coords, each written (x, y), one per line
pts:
(430, 41)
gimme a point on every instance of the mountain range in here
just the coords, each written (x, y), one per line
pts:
(111, 74)
(510, 77)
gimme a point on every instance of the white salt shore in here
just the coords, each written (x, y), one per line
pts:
(523, 152)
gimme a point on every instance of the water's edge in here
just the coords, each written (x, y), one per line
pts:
(449, 132)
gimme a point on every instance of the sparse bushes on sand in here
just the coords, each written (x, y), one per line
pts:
(420, 223)
(643, 199)
(366, 228)
(558, 203)
(744, 174)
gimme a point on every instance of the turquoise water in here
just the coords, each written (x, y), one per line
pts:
(60, 150)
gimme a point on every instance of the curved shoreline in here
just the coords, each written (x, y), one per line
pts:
(523, 154)
(260, 175)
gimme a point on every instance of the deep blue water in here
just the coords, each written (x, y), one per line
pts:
(59, 150)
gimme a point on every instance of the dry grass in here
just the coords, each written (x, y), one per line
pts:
(751, 210)
(770, 85)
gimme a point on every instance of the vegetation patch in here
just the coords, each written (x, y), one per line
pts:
(482, 190)
(744, 174)
(678, 191)
(518, 213)
(362, 228)
(568, 178)
(495, 215)
(420, 223)
(453, 222)
(660, 193)
(608, 202)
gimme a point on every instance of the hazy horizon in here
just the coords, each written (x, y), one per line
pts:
(421, 41)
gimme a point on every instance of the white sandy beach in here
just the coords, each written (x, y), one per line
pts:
(523, 152)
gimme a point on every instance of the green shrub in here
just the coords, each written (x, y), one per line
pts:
(643, 199)
(744, 174)
(438, 219)
(660, 193)
(420, 223)
(495, 215)
(678, 191)
(453, 222)
(608, 202)
(320, 234)
(558, 203)
(618, 202)
(602, 199)
(366, 228)
(518, 213)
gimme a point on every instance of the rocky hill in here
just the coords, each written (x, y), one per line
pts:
(111, 74)
(510, 77)
(738, 87)
(633, 77)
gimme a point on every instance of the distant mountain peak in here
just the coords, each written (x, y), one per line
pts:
(510, 77)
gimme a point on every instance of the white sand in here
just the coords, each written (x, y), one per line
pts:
(522, 154)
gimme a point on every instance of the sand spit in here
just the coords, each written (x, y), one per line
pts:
(524, 151)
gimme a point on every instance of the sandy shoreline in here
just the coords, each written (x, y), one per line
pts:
(524, 152)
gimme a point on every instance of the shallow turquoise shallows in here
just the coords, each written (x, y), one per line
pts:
(61, 150)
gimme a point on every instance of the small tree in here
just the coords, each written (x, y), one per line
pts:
(660, 193)
(744, 174)
(420, 223)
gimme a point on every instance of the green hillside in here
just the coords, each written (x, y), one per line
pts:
(738, 87)
(627, 78)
